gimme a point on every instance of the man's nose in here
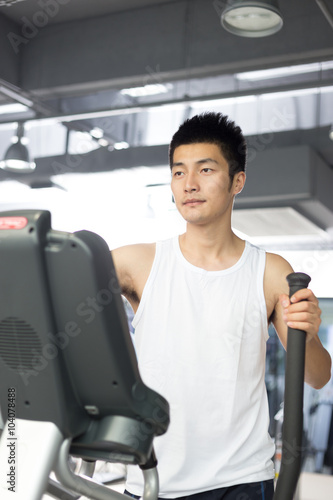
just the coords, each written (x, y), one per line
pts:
(192, 184)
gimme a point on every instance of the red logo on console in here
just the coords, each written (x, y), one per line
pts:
(13, 222)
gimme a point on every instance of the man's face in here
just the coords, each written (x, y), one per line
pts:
(201, 183)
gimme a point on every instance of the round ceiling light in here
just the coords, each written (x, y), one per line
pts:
(252, 18)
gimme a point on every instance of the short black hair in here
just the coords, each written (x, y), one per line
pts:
(213, 128)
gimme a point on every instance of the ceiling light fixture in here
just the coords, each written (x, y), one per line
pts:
(17, 158)
(266, 74)
(103, 142)
(121, 145)
(97, 133)
(146, 90)
(252, 18)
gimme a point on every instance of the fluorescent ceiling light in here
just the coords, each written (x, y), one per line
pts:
(228, 101)
(290, 93)
(296, 93)
(266, 74)
(88, 115)
(153, 89)
(6, 109)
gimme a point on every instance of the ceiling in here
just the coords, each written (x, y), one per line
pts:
(69, 61)
(74, 9)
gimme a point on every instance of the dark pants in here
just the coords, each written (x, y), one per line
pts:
(263, 490)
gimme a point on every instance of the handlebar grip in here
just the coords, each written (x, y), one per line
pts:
(293, 402)
(297, 281)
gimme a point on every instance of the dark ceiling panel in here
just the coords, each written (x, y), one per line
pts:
(59, 11)
(65, 45)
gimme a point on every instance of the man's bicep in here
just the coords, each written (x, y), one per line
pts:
(122, 262)
(279, 325)
(277, 269)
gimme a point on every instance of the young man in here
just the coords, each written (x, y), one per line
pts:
(203, 302)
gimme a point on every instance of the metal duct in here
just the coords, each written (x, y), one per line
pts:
(294, 176)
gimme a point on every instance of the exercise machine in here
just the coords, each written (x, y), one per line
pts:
(70, 385)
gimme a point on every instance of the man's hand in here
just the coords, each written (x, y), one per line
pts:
(302, 312)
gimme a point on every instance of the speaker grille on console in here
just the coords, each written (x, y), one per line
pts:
(19, 343)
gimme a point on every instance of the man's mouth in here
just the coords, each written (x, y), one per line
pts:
(193, 202)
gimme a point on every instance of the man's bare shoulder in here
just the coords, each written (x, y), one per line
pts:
(276, 270)
(128, 252)
(276, 262)
(133, 264)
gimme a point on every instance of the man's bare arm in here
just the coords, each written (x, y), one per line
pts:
(133, 264)
(302, 312)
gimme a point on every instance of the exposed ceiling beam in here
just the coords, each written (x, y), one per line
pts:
(47, 112)
(325, 10)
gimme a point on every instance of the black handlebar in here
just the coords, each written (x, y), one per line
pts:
(293, 403)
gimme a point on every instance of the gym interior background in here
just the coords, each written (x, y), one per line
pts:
(95, 91)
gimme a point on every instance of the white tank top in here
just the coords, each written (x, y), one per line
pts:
(200, 338)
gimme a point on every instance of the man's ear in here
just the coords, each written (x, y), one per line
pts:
(239, 182)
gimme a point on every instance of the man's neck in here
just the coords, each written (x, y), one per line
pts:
(210, 249)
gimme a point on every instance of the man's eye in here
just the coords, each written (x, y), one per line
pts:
(206, 169)
(178, 174)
